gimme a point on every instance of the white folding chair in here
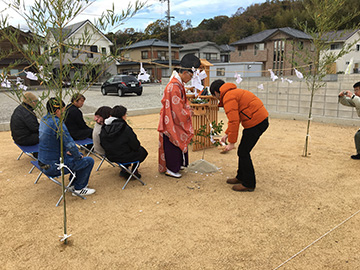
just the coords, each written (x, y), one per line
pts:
(54, 179)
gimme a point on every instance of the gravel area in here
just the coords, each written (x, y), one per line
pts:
(149, 100)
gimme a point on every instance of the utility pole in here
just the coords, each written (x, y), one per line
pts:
(169, 34)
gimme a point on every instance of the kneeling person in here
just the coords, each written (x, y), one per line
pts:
(49, 149)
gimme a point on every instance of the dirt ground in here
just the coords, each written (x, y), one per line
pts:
(196, 222)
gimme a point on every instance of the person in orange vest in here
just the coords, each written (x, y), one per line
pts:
(241, 106)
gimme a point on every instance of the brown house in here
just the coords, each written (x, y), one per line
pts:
(11, 58)
(275, 48)
(154, 56)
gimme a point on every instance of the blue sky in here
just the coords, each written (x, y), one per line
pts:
(192, 10)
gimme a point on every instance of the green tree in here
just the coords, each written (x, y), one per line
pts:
(48, 48)
(325, 15)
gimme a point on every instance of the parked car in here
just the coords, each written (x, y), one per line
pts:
(122, 84)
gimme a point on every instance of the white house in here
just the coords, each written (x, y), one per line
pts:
(91, 50)
(338, 39)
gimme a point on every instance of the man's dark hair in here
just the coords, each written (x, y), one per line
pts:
(103, 111)
(53, 105)
(215, 86)
(356, 85)
(77, 97)
(118, 111)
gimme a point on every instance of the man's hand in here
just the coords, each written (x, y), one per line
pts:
(345, 93)
(229, 147)
(224, 138)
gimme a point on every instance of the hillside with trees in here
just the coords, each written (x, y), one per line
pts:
(225, 30)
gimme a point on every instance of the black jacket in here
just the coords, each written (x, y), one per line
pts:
(24, 125)
(75, 123)
(120, 142)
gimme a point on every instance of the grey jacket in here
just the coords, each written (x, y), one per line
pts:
(354, 101)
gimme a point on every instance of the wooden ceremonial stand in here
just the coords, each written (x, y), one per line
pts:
(204, 114)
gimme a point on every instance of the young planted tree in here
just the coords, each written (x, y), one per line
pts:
(325, 14)
(46, 49)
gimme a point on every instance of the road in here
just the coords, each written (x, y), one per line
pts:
(150, 101)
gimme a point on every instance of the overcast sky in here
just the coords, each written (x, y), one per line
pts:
(192, 10)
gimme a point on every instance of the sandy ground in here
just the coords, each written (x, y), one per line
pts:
(196, 222)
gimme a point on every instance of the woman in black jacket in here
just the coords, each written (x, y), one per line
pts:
(119, 140)
(24, 125)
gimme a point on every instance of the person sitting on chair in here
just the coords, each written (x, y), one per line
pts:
(24, 125)
(74, 119)
(49, 149)
(119, 140)
(100, 115)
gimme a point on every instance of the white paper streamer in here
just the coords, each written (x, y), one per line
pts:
(30, 75)
(298, 74)
(272, 75)
(238, 78)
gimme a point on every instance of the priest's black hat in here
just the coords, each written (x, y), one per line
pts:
(189, 61)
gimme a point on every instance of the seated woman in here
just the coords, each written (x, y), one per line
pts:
(24, 125)
(119, 140)
(100, 115)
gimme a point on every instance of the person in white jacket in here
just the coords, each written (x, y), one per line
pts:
(347, 98)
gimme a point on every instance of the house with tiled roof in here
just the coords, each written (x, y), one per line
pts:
(204, 50)
(337, 40)
(275, 48)
(91, 51)
(154, 56)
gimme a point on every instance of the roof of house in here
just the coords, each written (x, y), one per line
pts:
(164, 62)
(69, 30)
(264, 35)
(340, 35)
(151, 43)
(227, 48)
(198, 46)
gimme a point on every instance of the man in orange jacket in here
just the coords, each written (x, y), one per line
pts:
(241, 106)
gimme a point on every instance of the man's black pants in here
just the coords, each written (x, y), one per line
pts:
(250, 136)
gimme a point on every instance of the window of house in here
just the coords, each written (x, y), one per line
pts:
(162, 55)
(242, 48)
(335, 46)
(258, 46)
(220, 71)
(278, 59)
(357, 47)
(103, 50)
(172, 55)
(144, 55)
(127, 56)
(301, 45)
(74, 53)
(211, 56)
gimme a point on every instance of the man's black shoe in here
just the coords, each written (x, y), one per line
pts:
(355, 156)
